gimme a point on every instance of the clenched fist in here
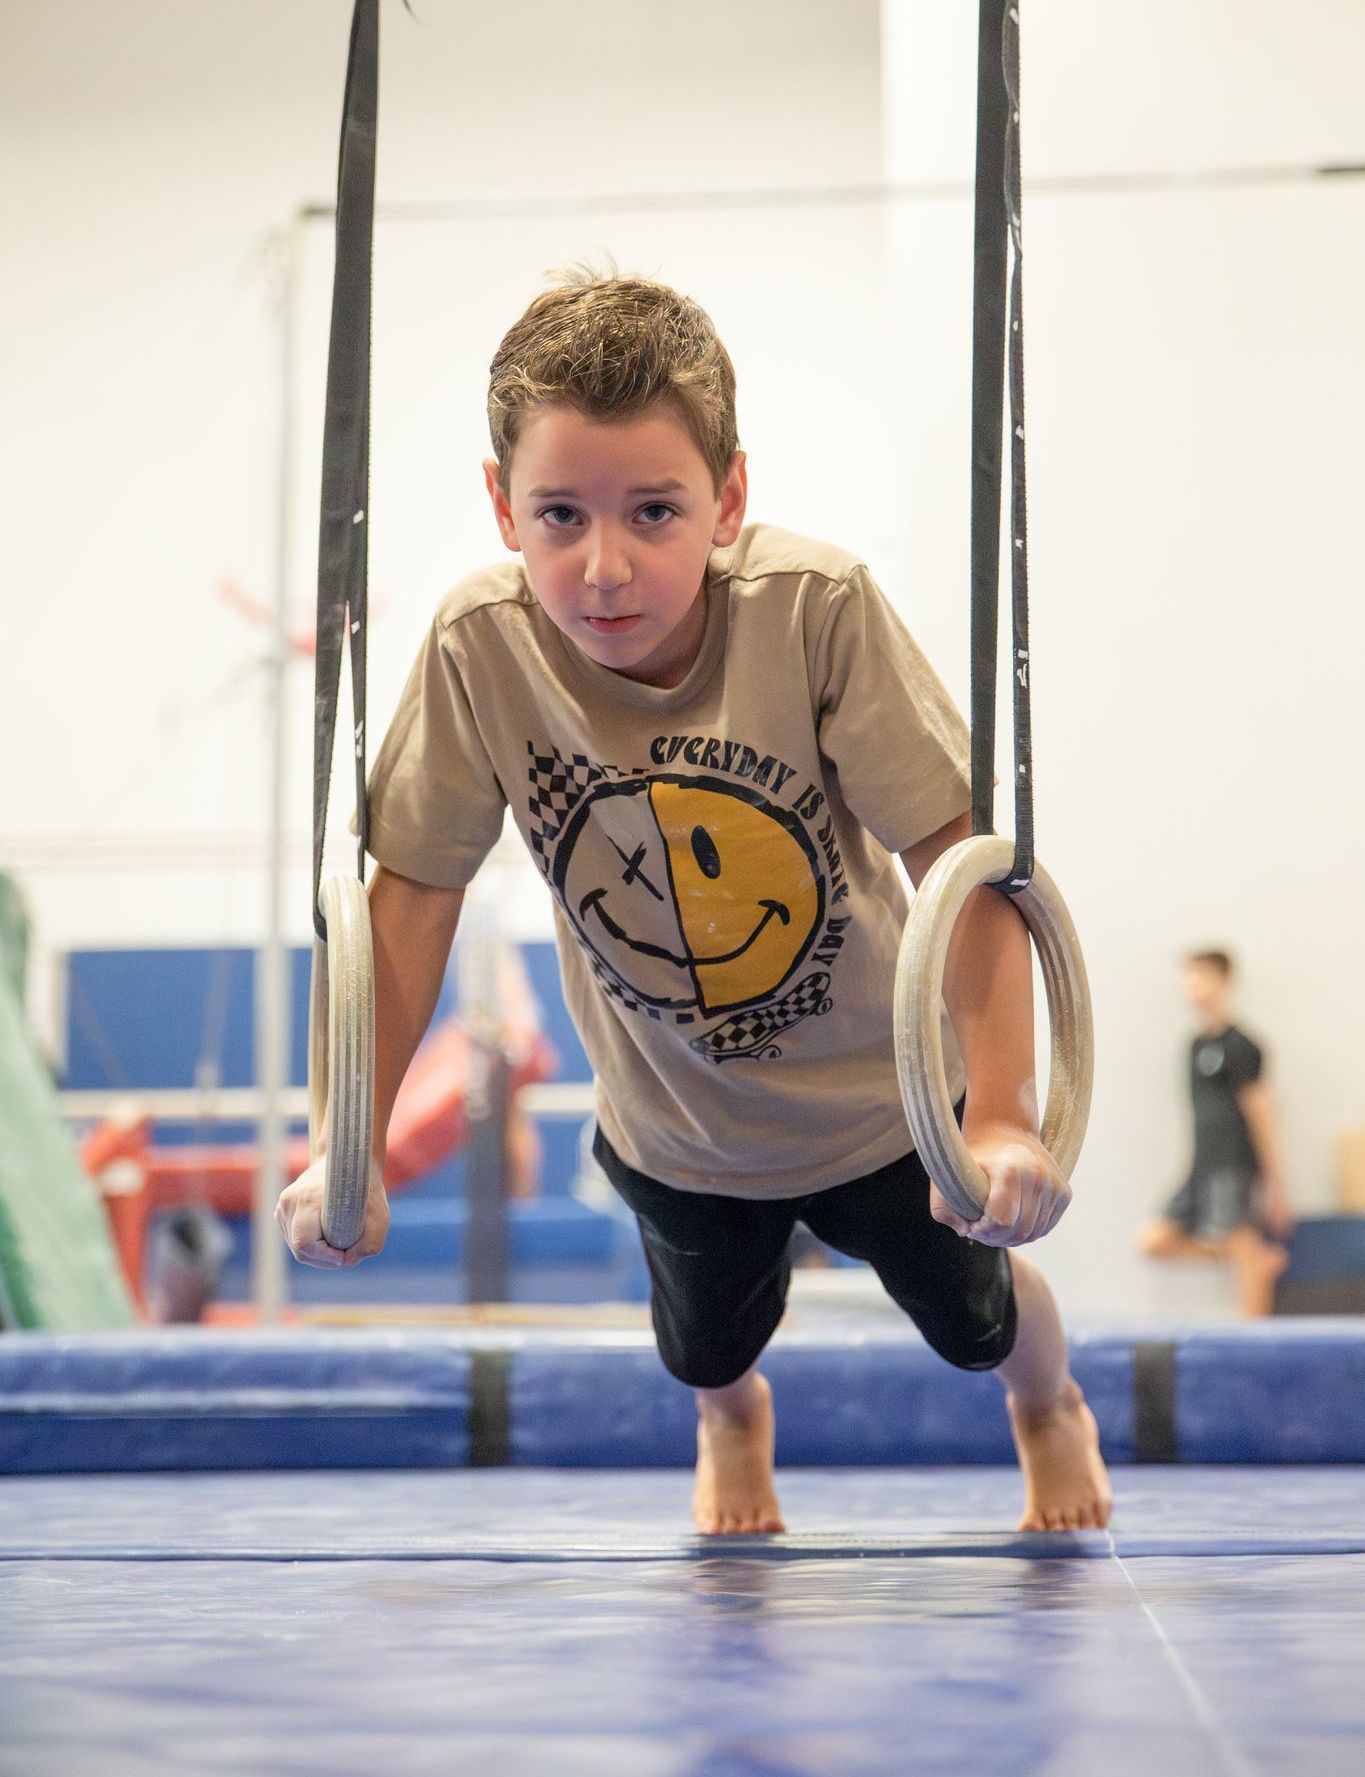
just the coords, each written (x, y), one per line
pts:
(1028, 1196)
(298, 1215)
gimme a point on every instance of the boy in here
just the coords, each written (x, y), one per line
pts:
(1218, 1212)
(713, 738)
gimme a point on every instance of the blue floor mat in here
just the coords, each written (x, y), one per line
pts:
(523, 1623)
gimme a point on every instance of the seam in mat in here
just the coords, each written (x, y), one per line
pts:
(1230, 1758)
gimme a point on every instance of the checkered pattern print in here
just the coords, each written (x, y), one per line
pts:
(610, 985)
(751, 1033)
(557, 785)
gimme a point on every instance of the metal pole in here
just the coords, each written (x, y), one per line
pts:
(268, 1282)
(487, 1245)
(487, 1249)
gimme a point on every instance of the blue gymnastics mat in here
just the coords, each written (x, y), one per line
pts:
(850, 1389)
(565, 1624)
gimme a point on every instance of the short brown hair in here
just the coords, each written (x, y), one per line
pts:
(1213, 959)
(610, 347)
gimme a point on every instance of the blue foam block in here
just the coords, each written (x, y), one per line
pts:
(890, 1401)
(616, 1407)
(1326, 1247)
(1274, 1392)
(597, 1396)
(542, 1232)
(192, 1399)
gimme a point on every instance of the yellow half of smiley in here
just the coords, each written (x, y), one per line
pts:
(747, 893)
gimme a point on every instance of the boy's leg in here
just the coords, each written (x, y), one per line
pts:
(1258, 1263)
(735, 1492)
(1232, 1222)
(1066, 1485)
(1166, 1239)
(718, 1273)
(1173, 1234)
(981, 1308)
(1214, 1220)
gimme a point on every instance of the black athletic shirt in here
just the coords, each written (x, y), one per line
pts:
(1220, 1066)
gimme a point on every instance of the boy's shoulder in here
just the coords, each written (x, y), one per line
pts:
(767, 552)
(499, 584)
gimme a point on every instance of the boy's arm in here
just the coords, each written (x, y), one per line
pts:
(1258, 1108)
(413, 926)
(988, 989)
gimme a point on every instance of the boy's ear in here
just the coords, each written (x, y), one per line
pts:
(734, 497)
(502, 511)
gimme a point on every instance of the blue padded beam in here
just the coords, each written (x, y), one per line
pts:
(1278, 1391)
(839, 1400)
(195, 1399)
(854, 1392)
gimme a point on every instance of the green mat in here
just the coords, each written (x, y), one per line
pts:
(58, 1268)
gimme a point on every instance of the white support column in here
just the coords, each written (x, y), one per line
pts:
(268, 1280)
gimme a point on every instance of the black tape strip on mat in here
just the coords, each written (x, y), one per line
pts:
(490, 1411)
(1047, 1545)
(1154, 1429)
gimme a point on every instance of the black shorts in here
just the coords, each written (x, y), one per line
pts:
(1209, 1205)
(720, 1266)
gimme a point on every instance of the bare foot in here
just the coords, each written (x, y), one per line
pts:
(1066, 1485)
(734, 1494)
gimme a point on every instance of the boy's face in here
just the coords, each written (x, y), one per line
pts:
(1206, 987)
(616, 521)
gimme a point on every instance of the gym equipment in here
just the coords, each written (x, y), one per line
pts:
(985, 859)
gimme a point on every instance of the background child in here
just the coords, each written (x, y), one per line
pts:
(713, 738)
(1234, 1202)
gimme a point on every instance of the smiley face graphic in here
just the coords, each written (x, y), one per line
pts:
(694, 892)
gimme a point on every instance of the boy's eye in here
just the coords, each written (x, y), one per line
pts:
(561, 517)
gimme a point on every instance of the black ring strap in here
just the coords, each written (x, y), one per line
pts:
(998, 337)
(344, 529)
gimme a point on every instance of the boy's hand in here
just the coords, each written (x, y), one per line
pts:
(298, 1215)
(1028, 1196)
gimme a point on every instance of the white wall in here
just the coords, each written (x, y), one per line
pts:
(1195, 387)
(151, 151)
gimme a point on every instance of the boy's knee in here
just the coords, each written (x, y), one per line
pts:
(1245, 1239)
(1159, 1240)
(968, 1346)
(701, 1352)
(707, 1369)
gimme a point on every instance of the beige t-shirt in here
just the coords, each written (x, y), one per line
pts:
(727, 906)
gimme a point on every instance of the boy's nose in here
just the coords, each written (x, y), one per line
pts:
(608, 565)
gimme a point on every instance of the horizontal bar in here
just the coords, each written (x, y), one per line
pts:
(231, 1104)
(873, 192)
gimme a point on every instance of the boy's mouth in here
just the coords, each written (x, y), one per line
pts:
(612, 626)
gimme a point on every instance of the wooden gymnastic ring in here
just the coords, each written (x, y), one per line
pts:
(919, 1040)
(341, 1064)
